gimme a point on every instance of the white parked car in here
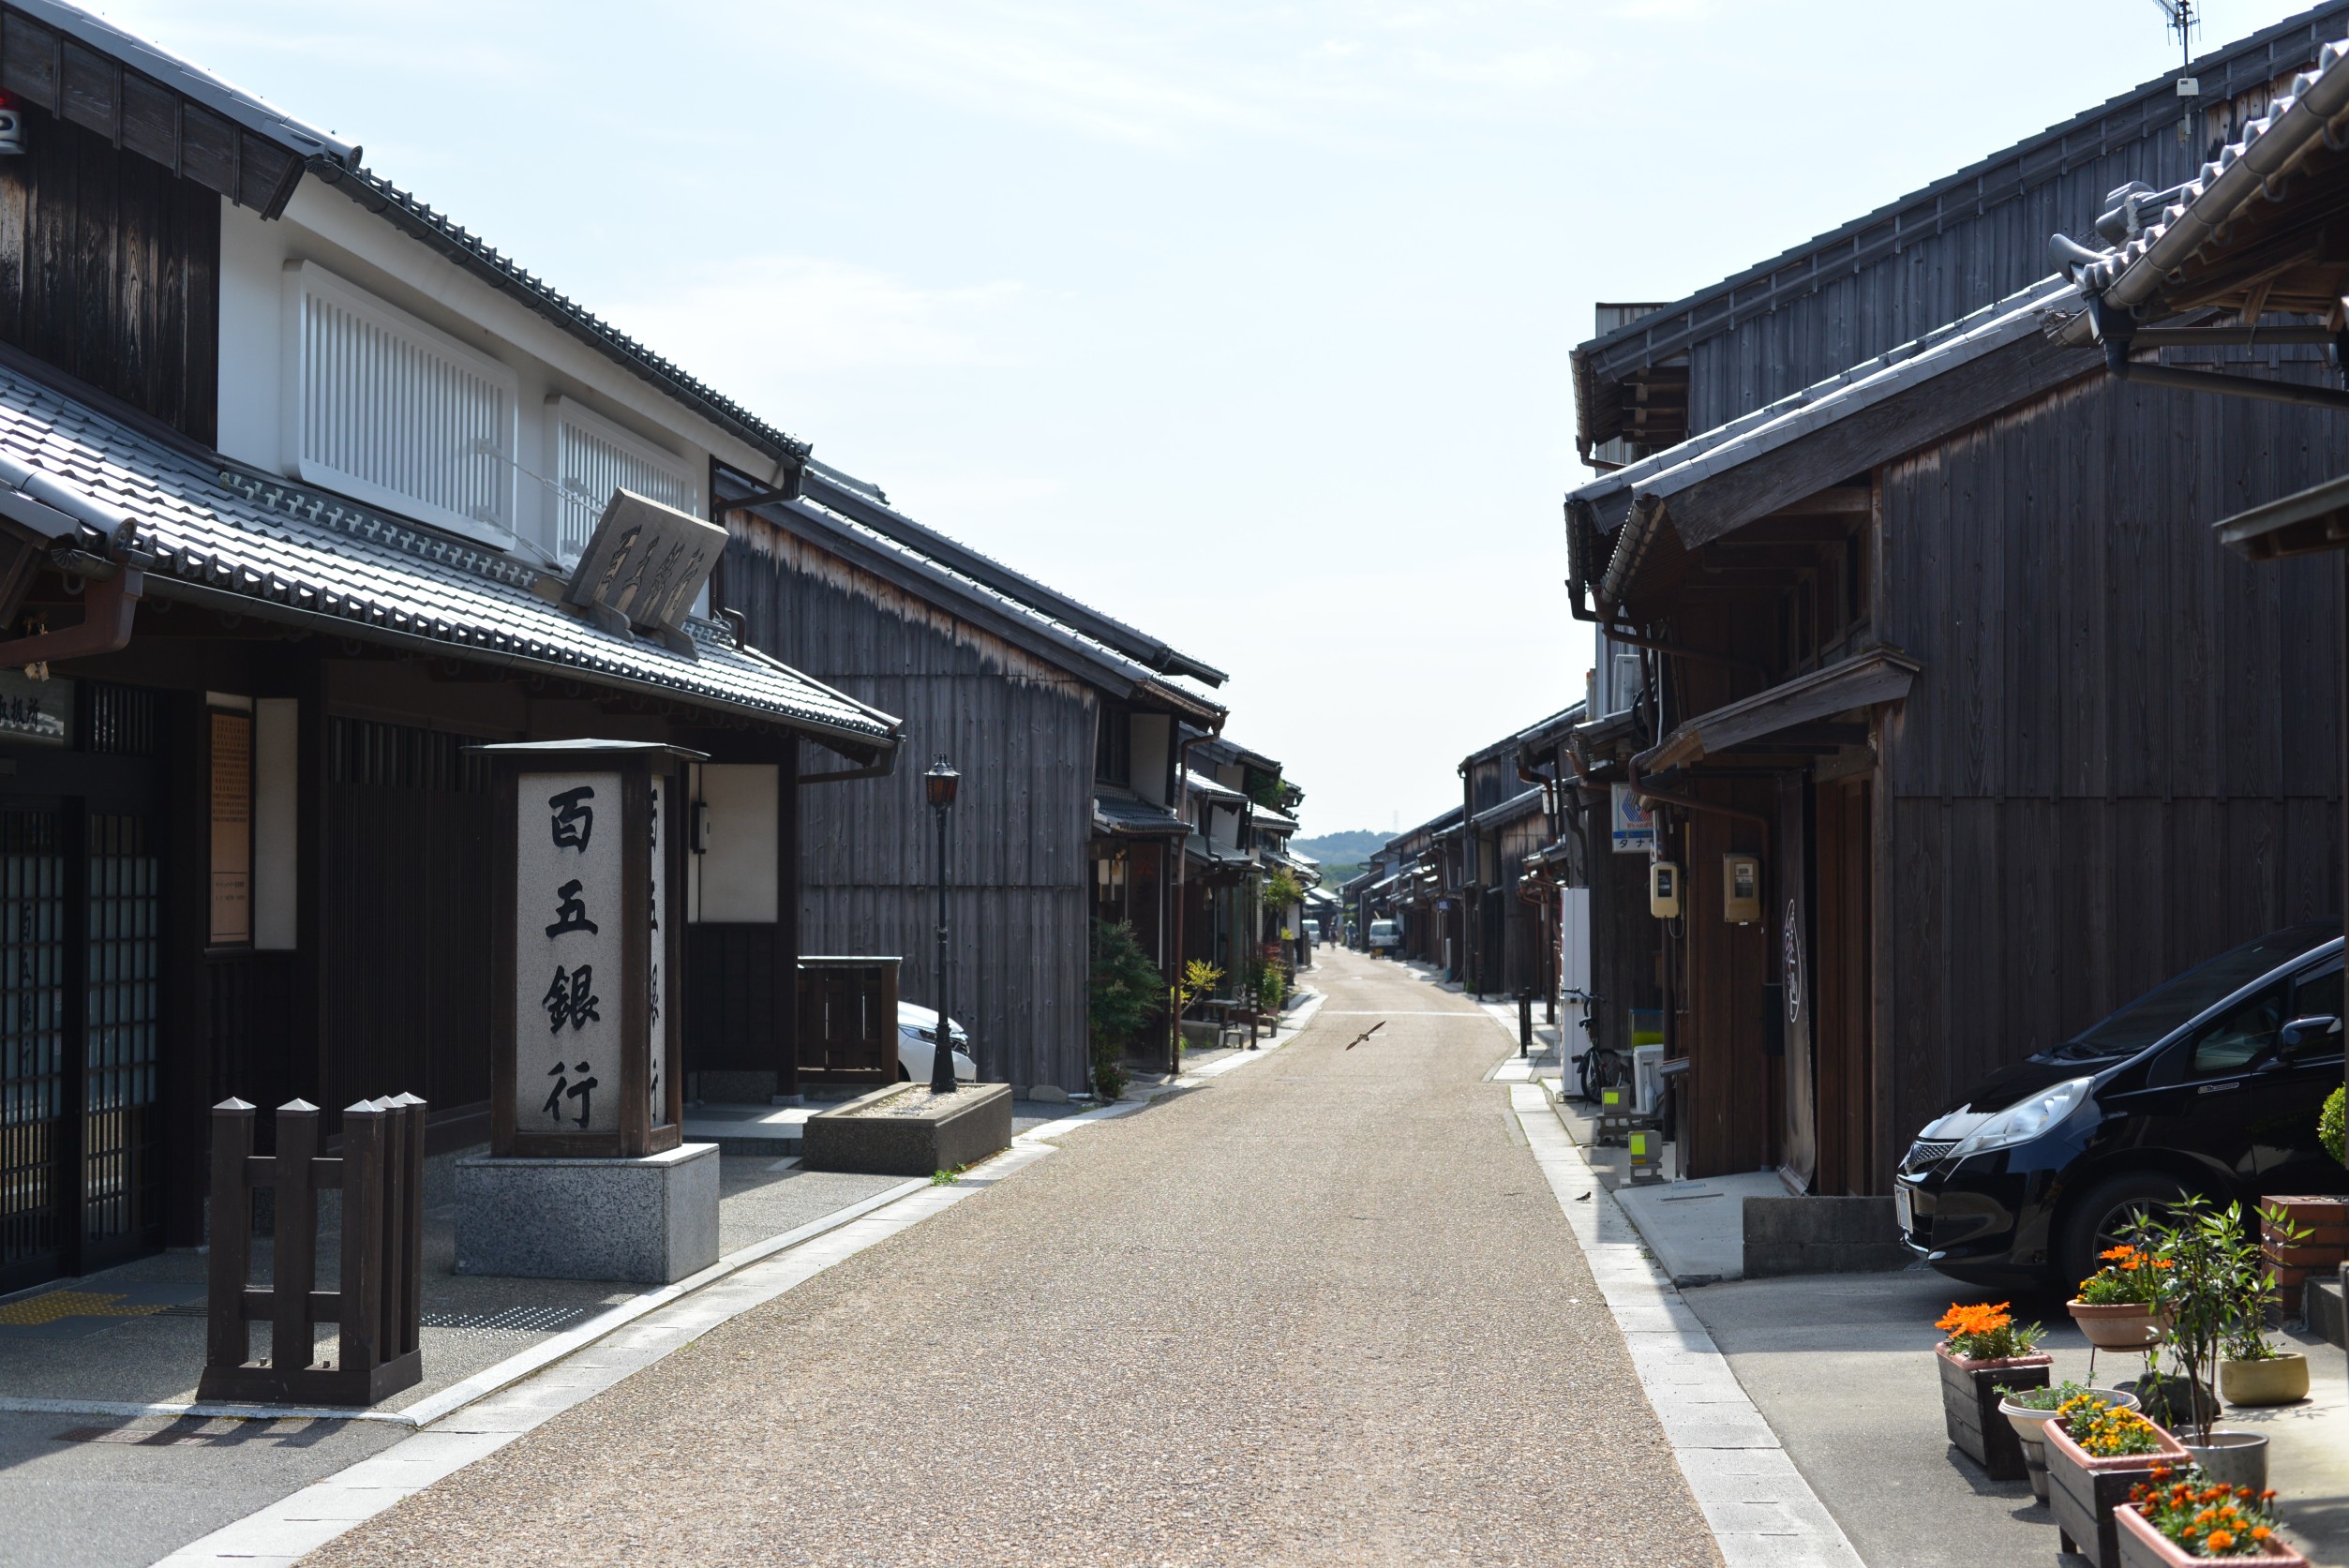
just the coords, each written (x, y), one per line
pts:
(1386, 937)
(916, 1032)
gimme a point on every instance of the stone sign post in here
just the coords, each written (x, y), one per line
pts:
(588, 1176)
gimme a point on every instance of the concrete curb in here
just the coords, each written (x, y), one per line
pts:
(1761, 1511)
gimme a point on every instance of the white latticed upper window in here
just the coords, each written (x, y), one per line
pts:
(393, 412)
(593, 457)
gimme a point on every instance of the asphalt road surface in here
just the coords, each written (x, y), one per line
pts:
(1322, 1309)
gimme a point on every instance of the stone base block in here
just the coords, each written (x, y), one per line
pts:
(1822, 1235)
(2326, 1318)
(976, 1123)
(649, 1221)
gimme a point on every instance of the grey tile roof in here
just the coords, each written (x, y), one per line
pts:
(291, 553)
(855, 497)
(1063, 639)
(1115, 811)
(2131, 272)
(1829, 259)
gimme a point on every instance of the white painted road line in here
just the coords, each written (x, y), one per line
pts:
(1760, 1509)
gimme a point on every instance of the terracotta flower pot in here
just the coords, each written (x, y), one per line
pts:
(2280, 1380)
(1970, 1407)
(2084, 1488)
(2144, 1546)
(2124, 1327)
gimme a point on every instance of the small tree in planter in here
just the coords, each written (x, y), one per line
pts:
(2210, 1266)
(1986, 1349)
(2252, 1368)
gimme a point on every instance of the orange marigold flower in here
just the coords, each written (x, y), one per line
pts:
(2261, 1532)
(2220, 1540)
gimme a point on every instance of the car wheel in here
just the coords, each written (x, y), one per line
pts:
(903, 1076)
(2095, 1222)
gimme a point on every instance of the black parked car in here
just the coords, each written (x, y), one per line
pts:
(2210, 1084)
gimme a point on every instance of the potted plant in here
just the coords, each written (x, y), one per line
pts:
(2116, 1306)
(2096, 1452)
(2171, 1521)
(1987, 1348)
(2028, 1410)
(2252, 1368)
(2214, 1268)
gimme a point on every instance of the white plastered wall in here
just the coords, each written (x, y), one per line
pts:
(731, 873)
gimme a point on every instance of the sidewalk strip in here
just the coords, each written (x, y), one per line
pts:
(1763, 1514)
(521, 1364)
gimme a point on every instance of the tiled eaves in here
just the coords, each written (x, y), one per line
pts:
(2237, 67)
(296, 554)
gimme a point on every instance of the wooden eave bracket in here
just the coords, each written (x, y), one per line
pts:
(109, 606)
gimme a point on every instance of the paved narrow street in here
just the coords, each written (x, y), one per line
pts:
(1321, 1311)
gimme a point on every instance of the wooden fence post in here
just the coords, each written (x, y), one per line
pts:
(226, 1342)
(293, 1274)
(361, 1286)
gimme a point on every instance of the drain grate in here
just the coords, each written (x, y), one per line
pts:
(513, 1319)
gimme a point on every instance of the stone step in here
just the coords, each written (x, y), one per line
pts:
(2326, 1314)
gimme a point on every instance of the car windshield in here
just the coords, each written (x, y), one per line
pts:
(2168, 1004)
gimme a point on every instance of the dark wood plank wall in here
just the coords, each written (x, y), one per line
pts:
(1021, 733)
(404, 985)
(2123, 752)
(109, 269)
(1977, 252)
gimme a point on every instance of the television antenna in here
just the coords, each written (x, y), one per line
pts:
(2179, 14)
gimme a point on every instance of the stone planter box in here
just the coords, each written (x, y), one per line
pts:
(2144, 1546)
(975, 1122)
(2082, 1489)
(1970, 1408)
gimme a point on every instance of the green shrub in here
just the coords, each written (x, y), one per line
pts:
(2329, 1129)
(1124, 996)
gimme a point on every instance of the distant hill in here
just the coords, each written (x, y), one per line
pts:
(1350, 848)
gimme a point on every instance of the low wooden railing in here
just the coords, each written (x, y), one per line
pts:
(378, 1307)
(848, 1019)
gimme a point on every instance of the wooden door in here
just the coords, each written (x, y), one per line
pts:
(1845, 991)
(80, 1031)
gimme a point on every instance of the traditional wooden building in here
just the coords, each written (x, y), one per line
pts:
(297, 478)
(1069, 728)
(1931, 680)
(1520, 859)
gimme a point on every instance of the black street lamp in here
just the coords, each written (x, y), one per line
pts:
(939, 784)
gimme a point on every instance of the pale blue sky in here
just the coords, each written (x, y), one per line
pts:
(1246, 322)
